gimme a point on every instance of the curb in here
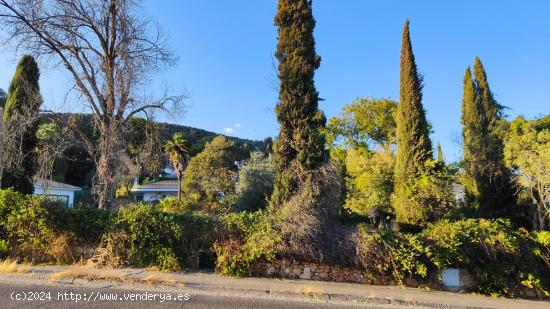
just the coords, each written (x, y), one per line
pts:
(200, 288)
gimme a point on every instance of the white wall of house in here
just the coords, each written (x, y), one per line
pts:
(38, 190)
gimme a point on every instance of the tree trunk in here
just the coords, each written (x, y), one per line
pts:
(536, 221)
(106, 165)
(179, 188)
(542, 219)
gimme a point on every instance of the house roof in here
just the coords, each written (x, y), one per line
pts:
(158, 186)
(50, 184)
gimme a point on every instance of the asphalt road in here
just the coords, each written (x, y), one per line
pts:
(50, 296)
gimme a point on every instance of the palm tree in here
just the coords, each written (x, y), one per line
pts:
(179, 156)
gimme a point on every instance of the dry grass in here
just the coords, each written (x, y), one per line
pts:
(11, 266)
(307, 289)
(159, 278)
(112, 252)
(60, 248)
(90, 273)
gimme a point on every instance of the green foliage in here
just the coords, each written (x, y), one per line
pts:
(255, 184)
(386, 253)
(493, 252)
(369, 182)
(248, 238)
(414, 147)
(89, 223)
(3, 98)
(300, 138)
(502, 260)
(527, 152)
(22, 106)
(488, 185)
(4, 249)
(157, 238)
(178, 151)
(210, 178)
(24, 225)
(364, 123)
(440, 158)
(173, 205)
(426, 198)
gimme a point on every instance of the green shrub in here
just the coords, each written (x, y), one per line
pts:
(499, 257)
(4, 249)
(399, 256)
(162, 239)
(89, 223)
(247, 237)
(255, 182)
(24, 225)
(173, 205)
(151, 234)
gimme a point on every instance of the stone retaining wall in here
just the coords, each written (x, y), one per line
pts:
(292, 269)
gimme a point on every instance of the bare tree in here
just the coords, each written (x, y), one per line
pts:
(109, 50)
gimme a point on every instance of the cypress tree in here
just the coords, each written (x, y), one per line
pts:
(492, 111)
(300, 140)
(414, 147)
(498, 197)
(440, 157)
(22, 104)
(473, 137)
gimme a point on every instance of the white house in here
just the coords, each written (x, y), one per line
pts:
(155, 191)
(55, 191)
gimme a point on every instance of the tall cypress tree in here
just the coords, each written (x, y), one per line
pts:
(498, 197)
(414, 147)
(473, 136)
(300, 139)
(491, 109)
(22, 104)
(440, 157)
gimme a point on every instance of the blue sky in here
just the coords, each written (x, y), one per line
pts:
(226, 63)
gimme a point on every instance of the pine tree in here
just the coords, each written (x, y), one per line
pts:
(300, 140)
(22, 104)
(473, 136)
(414, 147)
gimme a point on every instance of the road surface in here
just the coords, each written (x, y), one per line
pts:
(55, 296)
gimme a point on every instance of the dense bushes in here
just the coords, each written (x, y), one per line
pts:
(34, 230)
(255, 184)
(502, 260)
(24, 226)
(245, 238)
(145, 236)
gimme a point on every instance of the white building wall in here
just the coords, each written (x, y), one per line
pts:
(40, 191)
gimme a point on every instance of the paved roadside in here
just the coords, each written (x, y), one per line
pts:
(211, 284)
